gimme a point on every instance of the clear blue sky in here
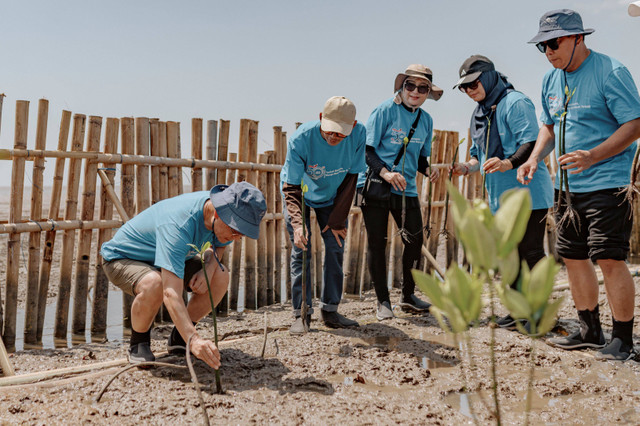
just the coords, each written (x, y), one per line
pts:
(272, 61)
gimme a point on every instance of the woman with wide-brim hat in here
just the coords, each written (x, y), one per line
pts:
(389, 125)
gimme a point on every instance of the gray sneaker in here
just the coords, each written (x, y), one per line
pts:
(336, 320)
(577, 341)
(616, 350)
(414, 305)
(384, 311)
(299, 327)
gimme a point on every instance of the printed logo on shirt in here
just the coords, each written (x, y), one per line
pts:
(316, 172)
(397, 136)
(555, 105)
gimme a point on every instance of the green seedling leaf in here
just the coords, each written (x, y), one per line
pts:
(515, 303)
(549, 316)
(430, 286)
(511, 219)
(437, 313)
(541, 283)
(459, 206)
(479, 243)
(458, 282)
(509, 267)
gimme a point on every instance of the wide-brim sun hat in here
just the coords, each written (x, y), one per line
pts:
(472, 67)
(338, 115)
(418, 71)
(241, 206)
(560, 23)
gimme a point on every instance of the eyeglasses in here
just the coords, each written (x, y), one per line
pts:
(551, 44)
(410, 87)
(466, 86)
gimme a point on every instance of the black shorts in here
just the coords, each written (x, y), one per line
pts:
(603, 229)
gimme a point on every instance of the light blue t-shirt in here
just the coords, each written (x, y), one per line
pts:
(605, 98)
(517, 124)
(161, 234)
(322, 167)
(387, 127)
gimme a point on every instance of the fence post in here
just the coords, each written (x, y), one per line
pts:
(211, 152)
(236, 250)
(278, 159)
(196, 153)
(223, 150)
(263, 277)
(127, 197)
(173, 151)
(270, 229)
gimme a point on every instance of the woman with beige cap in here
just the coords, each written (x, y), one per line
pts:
(398, 147)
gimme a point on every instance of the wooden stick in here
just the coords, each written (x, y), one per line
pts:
(243, 147)
(196, 153)
(211, 152)
(262, 273)
(173, 151)
(68, 240)
(107, 194)
(451, 240)
(85, 239)
(236, 251)
(223, 150)
(426, 253)
(154, 146)
(163, 192)
(5, 364)
(33, 274)
(127, 194)
(270, 230)
(58, 225)
(277, 278)
(50, 236)
(250, 245)
(143, 199)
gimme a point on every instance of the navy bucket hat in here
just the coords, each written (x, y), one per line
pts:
(241, 206)
(559, 23)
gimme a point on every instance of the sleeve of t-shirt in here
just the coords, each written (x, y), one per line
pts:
(295, 161)
(426, 146)
(172, 248)
(376, 126)
(621, 95)
(545, 116)
(359, 163)
(521, 119)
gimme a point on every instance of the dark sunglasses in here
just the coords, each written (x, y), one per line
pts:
(410, 87)
(335, 135)
(466, 86)
(551, 44)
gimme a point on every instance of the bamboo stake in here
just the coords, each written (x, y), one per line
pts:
(154, 145)
(179, 152)
(1, 311)
(287, 240)
(236, 251)
(143, 201)
(250, 245)
(243, 147)
(211, 152)
(15, 214)
(351, 254)
(451, 240)
(31, 311)
(270, 229)
(439, 188)
(5, 364)
(68, 240)
(107, 194)
(85, 239)
(196, 153)
(58, 225)
(50, 236)
(362, 253)
(173, 151)
(263, 277)
(277, 279)
(223, 150)
(162, 152)
(388, 252)
(127, 196)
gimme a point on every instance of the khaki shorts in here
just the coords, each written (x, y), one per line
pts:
(126, 273)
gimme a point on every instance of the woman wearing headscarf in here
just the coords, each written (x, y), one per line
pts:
(504, 129)
(398, 146)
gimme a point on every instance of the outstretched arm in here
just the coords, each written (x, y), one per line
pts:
(544, 146)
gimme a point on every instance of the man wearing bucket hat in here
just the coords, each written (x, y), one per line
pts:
(504, 128)
(591, 104)
(326, 155)
(398, 147)
(151, 259)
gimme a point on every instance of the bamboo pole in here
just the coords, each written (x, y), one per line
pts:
(365, 279)
(15, 215)
(236, 251)
(101, 283)
(223, 150)
(287, 240)
(362, 253)
(439, 189)
(85, 239)
(180, 171)
(1, 310)
(33, 274)
(68, 240)
(250, 246)
(278, 155)
(5, 364)
(143, 200)
(173, 151)
(270, 229)
(50, 235)
(211, 152)
(196, 153)
(58, 225)
(154, 146)
(262, 273)
(351, 252)
(451, 241)
(162, 152)
(127, 196)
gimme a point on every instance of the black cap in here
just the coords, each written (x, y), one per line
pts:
(471, 69)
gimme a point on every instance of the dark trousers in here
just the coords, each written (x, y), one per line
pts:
(531, 248)
(376, 217)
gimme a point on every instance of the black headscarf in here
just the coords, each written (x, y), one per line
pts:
(496, 87)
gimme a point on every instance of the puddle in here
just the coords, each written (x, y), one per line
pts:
(394, 342)
(114, 326)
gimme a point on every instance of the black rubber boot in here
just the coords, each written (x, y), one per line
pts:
(589, 336)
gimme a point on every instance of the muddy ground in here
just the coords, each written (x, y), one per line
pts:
(404, 371)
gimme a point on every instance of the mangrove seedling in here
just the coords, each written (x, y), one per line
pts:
(303, 306)
(563, 194)
(445, 231)
(428, 224)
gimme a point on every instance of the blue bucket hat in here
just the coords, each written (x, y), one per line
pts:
(241, 206)
(559, 23)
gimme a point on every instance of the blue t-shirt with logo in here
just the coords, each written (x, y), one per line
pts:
(322, 167)
(387, 127)
(605, 97)
(161, 234)
(517, 124)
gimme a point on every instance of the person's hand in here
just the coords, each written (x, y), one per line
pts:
(198, 283)
(337, 234)
(299, 239)
(458, 169)
(579, 160)
(396, 180)
(205, 350)
(495, 164)
(434, 175)
(527, 170)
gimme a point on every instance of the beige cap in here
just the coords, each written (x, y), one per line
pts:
(418, 71)
(634, 8)
(338, 115)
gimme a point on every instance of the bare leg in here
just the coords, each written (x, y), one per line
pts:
(619, 287)
(199, 304)
(147, 301)
(583, 283)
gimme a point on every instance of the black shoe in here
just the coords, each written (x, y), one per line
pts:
(577, 341)
(299, 327)
(140, 352)
(616, 350)
(506, 322)
(335, 320)
(176, 344)
(414, 304)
